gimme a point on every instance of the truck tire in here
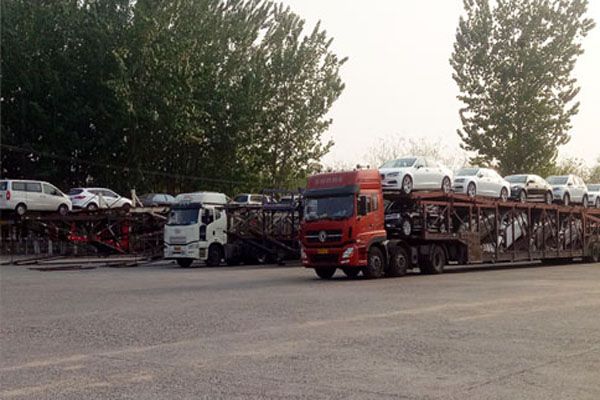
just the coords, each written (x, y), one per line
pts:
(232, 262)
(185, 262)
(325, 272)
(375, 264)
(215, 254)
(434, 262)
(594, 253)
(351, 272)
(399, 262)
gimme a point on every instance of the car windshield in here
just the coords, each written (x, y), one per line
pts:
(516, 178)
(467, 172)
(339, 207)
(591, 188)
(558, 180)
(401, 163)
(184, 216)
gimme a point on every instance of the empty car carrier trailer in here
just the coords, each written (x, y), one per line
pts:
(429, 230)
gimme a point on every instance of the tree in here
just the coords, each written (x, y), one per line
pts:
(513, 66)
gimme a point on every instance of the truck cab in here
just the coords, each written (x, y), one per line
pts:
(343, 224)
(196, 229)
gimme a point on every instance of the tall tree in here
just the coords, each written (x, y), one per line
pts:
(513, 65)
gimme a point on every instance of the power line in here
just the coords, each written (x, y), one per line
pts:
(116, 167)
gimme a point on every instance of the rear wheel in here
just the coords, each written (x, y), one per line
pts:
(399, 262)
(351, 272)
(594, 253)
(566, 199)
(375, 264)
(504, 194)
(584, 202)
(215, 255)
(185, 262)
(434, 262)
(21, 209)
(407, 184)
(325, 272)
(523, 196)
(446, 185)
(549, 198)
(472, 190)
(63, 210)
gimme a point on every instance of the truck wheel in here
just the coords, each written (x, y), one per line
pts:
(399, 262)
(375, 264)
(185, 262)
(214, 256)
(325, 272)
(594, 253)
(434, 262)
(351, 272)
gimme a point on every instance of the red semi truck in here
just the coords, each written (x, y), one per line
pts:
(346, 226)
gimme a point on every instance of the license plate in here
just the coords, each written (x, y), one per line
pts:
(322, 251)
(177, 249)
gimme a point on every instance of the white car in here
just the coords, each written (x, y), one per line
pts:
(248, 198)
(594, 194)
(95, 198)
(23, 195)
(568, 189)
(415, 173)
(481, 182)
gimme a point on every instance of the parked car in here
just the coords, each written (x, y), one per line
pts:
(156, 200)
(415, 173)
(23, 195)
(594, 194)
(569, 189)
(481, 182)
(95, 198)
(530, 188)
(248, 198)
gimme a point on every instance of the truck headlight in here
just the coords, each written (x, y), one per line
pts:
(348, 252)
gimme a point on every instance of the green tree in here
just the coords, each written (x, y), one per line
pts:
(513, 65)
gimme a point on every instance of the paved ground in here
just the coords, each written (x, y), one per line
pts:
(162, 332)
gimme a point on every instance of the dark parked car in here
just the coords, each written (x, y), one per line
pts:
(530, 188)
(157, 199)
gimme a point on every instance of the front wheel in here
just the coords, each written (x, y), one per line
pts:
(92, 207)
(351, 272)
(446, 185)
(472, 190)
(504, 194)
(407, 184)
(63, 210)
(375, 264)
(21, 209)
(214, 256)
(325, 272)
(523, 196)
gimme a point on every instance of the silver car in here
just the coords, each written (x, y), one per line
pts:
(568, 189)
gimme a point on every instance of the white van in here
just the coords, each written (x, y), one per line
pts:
(24, 195)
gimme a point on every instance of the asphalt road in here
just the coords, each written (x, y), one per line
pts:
(161, 332)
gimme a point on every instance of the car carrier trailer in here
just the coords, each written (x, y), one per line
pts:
(347, 227)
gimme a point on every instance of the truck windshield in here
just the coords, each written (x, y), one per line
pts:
(187, 216)
(338, 207)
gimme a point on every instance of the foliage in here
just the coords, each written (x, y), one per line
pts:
(153, 95)
(513, 65)
(577, 166)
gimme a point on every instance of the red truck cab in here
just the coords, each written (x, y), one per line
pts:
(343, 224)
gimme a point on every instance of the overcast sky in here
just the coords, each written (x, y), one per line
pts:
(398, 79)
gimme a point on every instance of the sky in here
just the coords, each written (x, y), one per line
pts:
(399, 81)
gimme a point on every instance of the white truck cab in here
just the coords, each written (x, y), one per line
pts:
(196, 229)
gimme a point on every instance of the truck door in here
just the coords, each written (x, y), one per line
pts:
(208, 218)
(220, 226)
(367, 218)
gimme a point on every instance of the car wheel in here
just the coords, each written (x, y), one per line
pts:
(472, 190)
(399, 262)
(325, 272)
(523, 196)
(92, 207)
(63, 210)
(549, 198)
(504, 194)
(566, 199)
(446, 185)
(375, 264)
(21, 209)
(584, 202)
(351, 272)
(126, 207)
(407, 184)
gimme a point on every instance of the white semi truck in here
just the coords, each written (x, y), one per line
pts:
(203, 226)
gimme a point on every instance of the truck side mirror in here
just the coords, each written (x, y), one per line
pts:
(362, 205)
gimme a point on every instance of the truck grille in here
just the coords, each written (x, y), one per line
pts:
(177, 240)
(330, 236)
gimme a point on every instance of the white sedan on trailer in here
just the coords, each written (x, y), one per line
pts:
(95, 198)
(481, 182)
(594, 195)
(415, 173)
